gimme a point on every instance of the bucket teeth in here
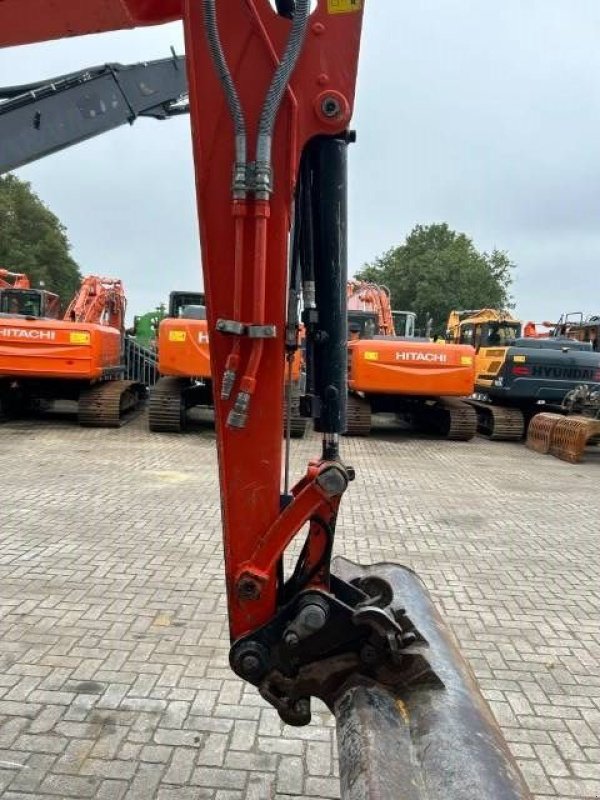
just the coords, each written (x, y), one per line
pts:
(539, 433)
(572, 435)
(564, 437)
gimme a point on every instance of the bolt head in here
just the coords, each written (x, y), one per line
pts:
(302, 707)
(248, 589)
(291, 639)
(331, 107)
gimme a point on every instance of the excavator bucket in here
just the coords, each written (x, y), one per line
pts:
(571, 436)
(430, 734)
(539, 433)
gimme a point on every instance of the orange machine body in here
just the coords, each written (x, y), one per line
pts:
(183, 349)
(402, 367)
(85, 345)
(57, 349)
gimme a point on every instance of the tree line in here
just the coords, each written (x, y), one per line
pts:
(34, 241)
(437, 270)
(434, 271)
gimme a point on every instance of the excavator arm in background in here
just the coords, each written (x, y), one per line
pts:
(365, 296)
(271, 98)
(16, 280)
(39, 119)
(100, 301)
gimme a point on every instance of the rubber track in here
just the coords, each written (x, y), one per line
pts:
(498, 423)
(298, 424)
(110, 404)
(358, 416)
(460, 424)
(165, 412)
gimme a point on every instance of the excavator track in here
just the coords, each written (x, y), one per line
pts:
(499, 423)
(110, 404)
(451, 418)
(298, 424)
(166, 410)
(358, 416)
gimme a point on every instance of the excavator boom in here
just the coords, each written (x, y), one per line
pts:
(42, 118)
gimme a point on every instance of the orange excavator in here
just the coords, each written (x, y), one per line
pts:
(272, 88)
(184, 367)
(78, 358)
(183, 363)
(414, 378)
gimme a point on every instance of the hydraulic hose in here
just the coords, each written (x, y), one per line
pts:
(280, 81)
(235, 107)
(266, 125)
(240, 187)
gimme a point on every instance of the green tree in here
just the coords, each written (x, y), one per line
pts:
(437, 270)
(34, 241)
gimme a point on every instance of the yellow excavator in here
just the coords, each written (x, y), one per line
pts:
(517, 377)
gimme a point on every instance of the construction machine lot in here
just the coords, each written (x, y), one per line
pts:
(114, 675)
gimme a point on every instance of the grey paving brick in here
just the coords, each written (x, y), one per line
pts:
(29, 778)
(181, 766)
(70, 786)
(116, 681)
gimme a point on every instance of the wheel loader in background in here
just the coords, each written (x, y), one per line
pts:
(415, 379)
(78, 358)
(518, 377)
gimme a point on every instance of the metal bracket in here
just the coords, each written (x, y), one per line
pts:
(262, 331)
(230, 327)
(319, 641)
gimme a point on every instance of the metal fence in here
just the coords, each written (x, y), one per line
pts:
(141, 363)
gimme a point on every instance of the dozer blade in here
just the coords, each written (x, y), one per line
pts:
(539, 433)
(421, 738)
(571, 435)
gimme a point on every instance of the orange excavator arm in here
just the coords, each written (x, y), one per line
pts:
(271, 97)
(365, 296)
(16, 280)
(98, 300)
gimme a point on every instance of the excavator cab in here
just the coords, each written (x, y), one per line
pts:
(180, 301)
(490, 334)
(362, 325)
(405, 323)
(36, 303)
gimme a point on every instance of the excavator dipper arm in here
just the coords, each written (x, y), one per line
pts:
(39, 119)
(271, 96)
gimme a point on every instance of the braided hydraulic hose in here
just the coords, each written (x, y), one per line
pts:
(280, 81)
(235, 107)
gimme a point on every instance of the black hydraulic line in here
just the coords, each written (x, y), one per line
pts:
(420, 739)
(40, 119)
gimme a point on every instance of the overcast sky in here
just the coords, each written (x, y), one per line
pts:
(480, 113)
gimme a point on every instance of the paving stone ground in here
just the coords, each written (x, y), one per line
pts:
(114, 681)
